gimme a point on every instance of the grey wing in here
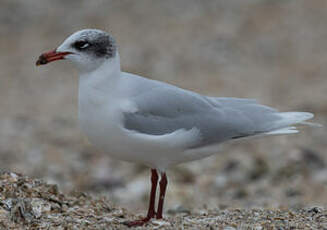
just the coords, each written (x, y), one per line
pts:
(164, 110)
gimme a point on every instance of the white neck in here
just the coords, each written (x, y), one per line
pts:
(105, 78)
(97, 89)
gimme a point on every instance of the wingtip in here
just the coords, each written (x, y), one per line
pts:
(312, 124)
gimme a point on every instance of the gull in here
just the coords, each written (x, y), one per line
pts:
(132, 118)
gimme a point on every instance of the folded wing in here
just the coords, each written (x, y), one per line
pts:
(163, 110)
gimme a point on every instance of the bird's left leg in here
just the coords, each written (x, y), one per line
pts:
(163, 185)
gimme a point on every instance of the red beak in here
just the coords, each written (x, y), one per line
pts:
(51, 56)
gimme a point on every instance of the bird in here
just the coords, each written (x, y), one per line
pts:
(159, 125)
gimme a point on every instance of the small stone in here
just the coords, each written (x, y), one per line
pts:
(160, 223)
(14, 175)
(220, 181)
(229, 228)
(315, 210)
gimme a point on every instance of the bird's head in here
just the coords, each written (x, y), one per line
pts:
(87, 49)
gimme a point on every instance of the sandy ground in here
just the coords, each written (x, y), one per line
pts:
(274, 51)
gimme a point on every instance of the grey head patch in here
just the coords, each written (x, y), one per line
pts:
(97, 43)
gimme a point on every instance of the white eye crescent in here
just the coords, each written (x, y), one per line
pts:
(81, 45)
(84, 46)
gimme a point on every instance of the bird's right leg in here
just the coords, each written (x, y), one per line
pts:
(151, 211)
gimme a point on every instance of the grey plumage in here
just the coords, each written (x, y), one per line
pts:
(166, 109)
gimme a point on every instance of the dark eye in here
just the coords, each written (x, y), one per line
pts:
(79, 45)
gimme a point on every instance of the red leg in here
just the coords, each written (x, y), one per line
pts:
(151, 211)
(154, 182)
(163, 186)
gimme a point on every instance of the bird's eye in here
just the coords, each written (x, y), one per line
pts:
(81, 45)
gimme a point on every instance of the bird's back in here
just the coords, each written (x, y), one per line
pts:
(163, 109)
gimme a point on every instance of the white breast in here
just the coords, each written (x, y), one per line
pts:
(101, 108)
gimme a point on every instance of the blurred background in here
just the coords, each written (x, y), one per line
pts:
(274, 51)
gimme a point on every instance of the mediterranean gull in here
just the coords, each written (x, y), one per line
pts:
(136, 119)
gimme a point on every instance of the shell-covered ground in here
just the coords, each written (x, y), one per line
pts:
(34, 204)
(273, 51)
